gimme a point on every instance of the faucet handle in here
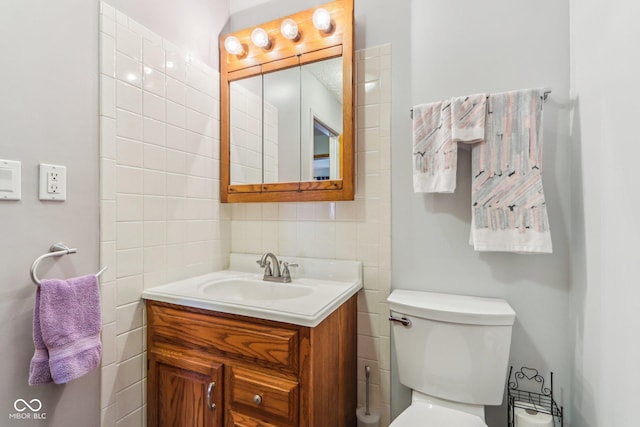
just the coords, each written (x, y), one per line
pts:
(267, 269)
(286, 274)
(266, 264)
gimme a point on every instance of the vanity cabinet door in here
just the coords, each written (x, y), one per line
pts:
(184, 392)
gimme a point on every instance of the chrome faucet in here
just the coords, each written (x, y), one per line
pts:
(275, 275)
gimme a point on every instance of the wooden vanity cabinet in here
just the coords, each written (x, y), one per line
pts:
(184, 392)
(209, 368)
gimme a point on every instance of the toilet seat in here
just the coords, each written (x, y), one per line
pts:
(422, 414)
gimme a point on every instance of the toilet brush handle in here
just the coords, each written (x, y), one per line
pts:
(367, 373)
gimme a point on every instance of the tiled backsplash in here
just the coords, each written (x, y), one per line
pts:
(160, 215)
(161, 219)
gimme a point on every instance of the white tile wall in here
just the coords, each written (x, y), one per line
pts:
(360, 229)
(161, 219)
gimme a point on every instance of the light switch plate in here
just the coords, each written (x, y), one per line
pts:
(53, 182)
(10, 180)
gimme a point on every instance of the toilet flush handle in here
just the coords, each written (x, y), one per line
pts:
(405, 322)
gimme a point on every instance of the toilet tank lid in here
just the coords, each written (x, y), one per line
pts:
(452, 308)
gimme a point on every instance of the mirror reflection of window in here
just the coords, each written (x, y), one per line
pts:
(321, 105)
(326, 152)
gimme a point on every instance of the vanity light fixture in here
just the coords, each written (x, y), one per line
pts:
(233, 46)
(322, 20)
(289, 29)
(260, 38)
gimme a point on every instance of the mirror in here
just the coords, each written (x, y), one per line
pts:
(267, 145)
(321, 120)
(282, 91)
(287, 112)
(245, 131)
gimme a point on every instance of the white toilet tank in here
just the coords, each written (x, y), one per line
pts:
(456, 347)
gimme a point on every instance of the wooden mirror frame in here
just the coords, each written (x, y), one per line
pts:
(312, 45)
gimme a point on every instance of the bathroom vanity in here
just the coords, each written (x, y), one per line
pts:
(214, 362)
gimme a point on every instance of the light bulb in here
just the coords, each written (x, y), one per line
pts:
(289, 29)
(260, 38)
(322, 20)
(233, 45)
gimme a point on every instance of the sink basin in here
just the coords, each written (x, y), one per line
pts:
(317, 289)
(243, 289)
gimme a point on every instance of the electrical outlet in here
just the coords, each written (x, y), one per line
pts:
(53, 182)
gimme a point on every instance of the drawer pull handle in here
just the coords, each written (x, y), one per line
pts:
(212, 405)
(257, 399)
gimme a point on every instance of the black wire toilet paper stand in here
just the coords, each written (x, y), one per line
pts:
(526, 390)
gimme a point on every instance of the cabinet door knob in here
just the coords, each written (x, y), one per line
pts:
(257, 399)
(212, 405)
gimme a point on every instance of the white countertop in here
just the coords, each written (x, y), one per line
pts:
(318, 288)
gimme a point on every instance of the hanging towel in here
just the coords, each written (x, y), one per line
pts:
(509, 211)
(435, 154)
(39, 372)
(66, 330)
(468, 118)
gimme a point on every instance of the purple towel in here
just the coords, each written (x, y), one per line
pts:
(66, 330)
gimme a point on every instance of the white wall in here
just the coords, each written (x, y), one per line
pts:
(239, 5)
(245, 13)
(193, 25)
(605, 296)
(48, 113)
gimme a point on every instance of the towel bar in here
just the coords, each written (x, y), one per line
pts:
(545, 95)
(57, 249)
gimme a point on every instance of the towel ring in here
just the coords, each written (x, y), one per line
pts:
(57, 249)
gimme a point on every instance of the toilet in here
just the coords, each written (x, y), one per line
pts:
(453, 352)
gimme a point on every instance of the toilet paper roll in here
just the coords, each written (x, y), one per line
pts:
(531, 418)
(371, 420)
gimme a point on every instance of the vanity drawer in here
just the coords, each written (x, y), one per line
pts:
(262, 396)
(241, 420)
(176, 328)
